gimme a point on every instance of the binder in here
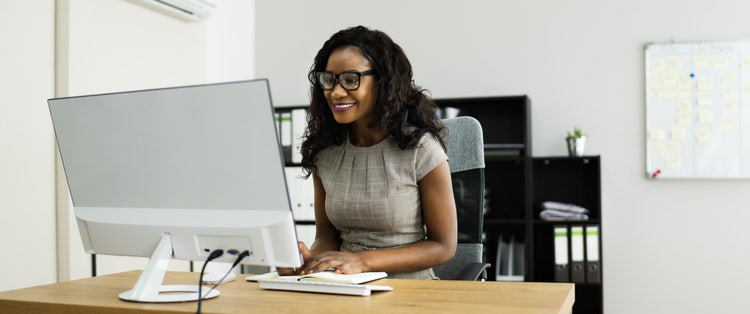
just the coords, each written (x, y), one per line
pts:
(502, 259)
(299, 126)
(577, 267)
(593, 272)
(519, 260)
(509, 264)
(292, 187)
(285, 131)
(562, 273)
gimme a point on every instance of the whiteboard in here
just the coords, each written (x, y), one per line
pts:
(698, 110)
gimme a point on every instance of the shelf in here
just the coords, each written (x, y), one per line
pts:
(567, 222)
(504, 221)
(505, 120)
(517, 183)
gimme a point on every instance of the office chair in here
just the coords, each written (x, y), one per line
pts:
(465, 146)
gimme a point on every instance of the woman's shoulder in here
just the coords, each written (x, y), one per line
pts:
(430, 140)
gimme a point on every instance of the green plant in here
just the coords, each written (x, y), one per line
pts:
(576, 133)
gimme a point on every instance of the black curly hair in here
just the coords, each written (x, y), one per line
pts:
(400, 107)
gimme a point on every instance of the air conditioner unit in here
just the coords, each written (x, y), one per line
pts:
(188, 10)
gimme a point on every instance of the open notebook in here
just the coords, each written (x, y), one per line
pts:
(325, 276)
(323, 282)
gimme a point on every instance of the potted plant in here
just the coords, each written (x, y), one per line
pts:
(576, 142)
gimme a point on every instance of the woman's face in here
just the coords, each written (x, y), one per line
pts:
(355, 106)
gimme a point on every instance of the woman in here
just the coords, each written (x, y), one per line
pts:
(383, 194)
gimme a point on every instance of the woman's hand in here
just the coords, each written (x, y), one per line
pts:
(340, 262)
(306, 255)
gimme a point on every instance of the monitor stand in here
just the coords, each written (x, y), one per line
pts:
(149, 286)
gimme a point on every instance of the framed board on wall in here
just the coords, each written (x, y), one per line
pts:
(698, 110)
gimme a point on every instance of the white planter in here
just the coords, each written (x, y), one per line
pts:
(576, 146)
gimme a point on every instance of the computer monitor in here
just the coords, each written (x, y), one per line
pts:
(177, 173)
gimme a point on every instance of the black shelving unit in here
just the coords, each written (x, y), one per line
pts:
(517, 183)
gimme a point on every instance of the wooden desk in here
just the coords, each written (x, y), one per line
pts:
(99, 295)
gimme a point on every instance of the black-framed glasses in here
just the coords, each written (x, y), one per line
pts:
(349, 80)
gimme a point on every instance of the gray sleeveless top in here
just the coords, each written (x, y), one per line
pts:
(372, 196)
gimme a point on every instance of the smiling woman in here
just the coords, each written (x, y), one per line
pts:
(383, 194)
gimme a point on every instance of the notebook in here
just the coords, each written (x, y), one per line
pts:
(325, 276)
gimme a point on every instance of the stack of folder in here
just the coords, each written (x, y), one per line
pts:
(563, 211)
(577, 254)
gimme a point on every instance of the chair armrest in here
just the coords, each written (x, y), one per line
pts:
(473, 272)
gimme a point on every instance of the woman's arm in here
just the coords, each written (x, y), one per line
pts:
(439, 212)
(327, 238)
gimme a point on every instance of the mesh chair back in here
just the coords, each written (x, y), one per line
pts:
(465, 147)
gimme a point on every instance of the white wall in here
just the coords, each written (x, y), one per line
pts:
(669, 246)
(27, 160)
(230, 41)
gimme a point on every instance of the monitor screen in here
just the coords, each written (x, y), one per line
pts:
(199, 165)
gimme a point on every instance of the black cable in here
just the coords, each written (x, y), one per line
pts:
(216, 253)
(237, 261)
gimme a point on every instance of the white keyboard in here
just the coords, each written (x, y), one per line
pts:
(322, 287)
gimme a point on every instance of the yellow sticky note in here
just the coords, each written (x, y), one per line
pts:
(673, 148)
(658, 148)
(706, 116)
(685, 118)
(729, 77)
(658, 65)
(705, 99)
(657, 134)
(730, 93)
(730, 106)
(704, 84)
(721, 62)
(726, 123)
(674, 162)
(674, 64)
(684, 106)
(745, 62)
(702, 62)
(702, 135)
(678, 133)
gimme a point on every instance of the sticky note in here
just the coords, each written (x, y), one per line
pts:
(705, 99)
(657, 134)
(726, 123)
(685, 118)
(721, 62)
(704, 84)
(658, 65)
(678, 133)
(702, 62)
(658, 149)
(673, 148)
(730, 106)
(705, 116)
(745, 62)
(702, 135)
(684, 106)
(674, 162)
(674, 64)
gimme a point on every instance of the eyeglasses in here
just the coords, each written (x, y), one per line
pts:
(349, 80)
